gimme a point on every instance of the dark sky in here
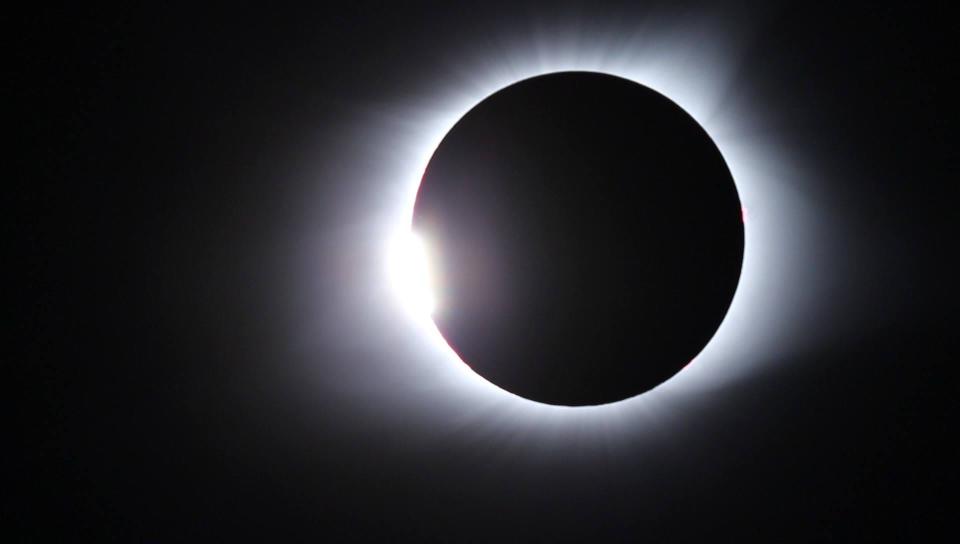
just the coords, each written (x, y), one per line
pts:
(193, 361)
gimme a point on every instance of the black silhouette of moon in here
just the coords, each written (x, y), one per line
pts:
(585, 238)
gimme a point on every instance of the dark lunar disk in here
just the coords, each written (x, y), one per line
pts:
(585, 238)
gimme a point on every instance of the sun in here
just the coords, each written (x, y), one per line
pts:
(696, 64)
(408, 268)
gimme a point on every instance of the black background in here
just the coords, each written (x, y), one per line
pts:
(162, 163)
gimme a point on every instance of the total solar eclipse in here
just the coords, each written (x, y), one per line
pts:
(584, 238)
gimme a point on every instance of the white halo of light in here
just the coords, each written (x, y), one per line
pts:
(409, 270)
(693, 65)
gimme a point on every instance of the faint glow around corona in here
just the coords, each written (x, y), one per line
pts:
(695, 63)
(409, 274)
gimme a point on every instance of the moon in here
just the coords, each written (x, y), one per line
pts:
(584, 237)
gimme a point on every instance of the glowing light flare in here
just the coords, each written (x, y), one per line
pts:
(409, 272)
